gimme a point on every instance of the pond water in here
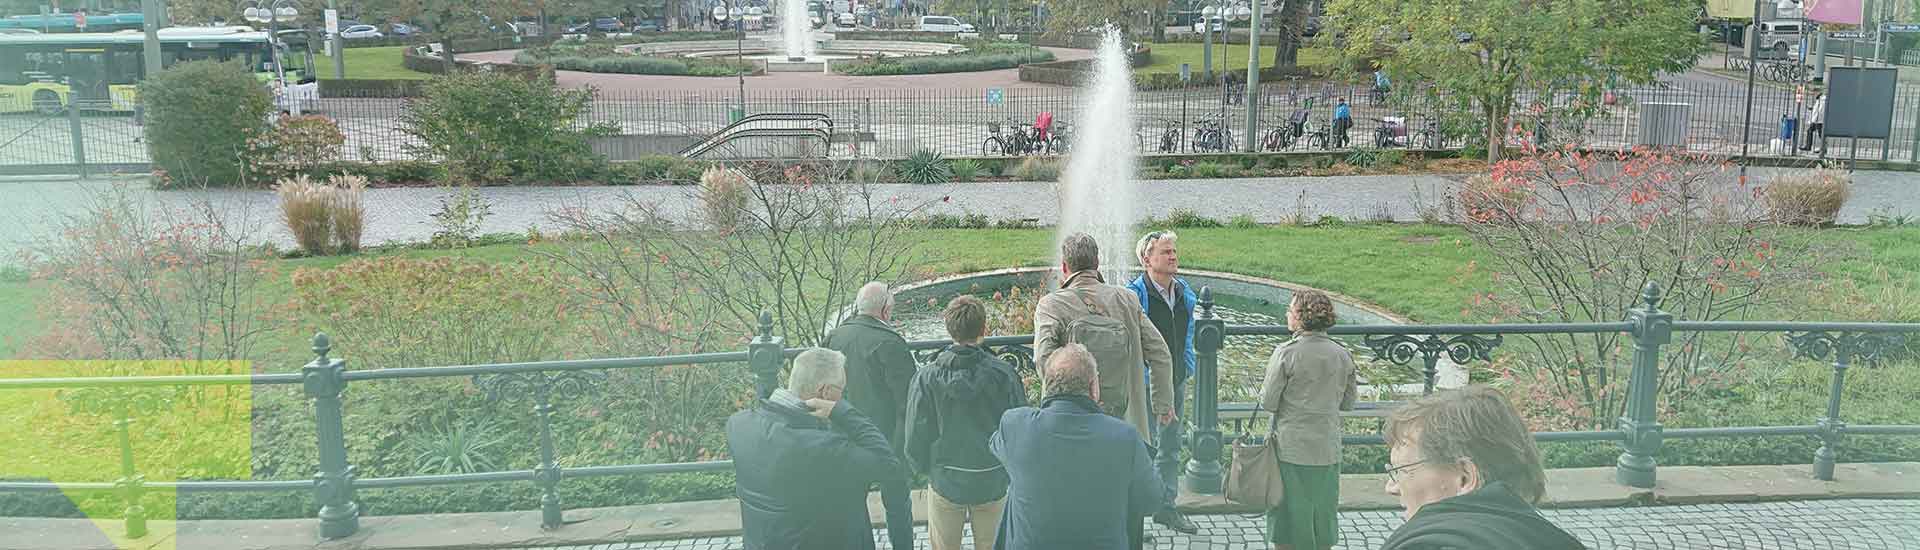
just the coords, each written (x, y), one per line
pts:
(1238, 300)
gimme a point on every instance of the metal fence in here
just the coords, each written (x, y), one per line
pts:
(326, 378)
(887, 123)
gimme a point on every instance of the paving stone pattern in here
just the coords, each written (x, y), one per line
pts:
(1824, 524)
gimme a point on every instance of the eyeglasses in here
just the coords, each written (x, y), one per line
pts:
(1394, 472)
(1154, 236)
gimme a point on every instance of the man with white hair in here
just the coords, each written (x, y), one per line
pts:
(1168, 302)
(880, 373)
(803, 459)
(1081, 478)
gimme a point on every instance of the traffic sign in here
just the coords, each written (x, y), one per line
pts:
(996, 96)
(1901, 27)
(80, 19)
(333, 22)
(1848, 34)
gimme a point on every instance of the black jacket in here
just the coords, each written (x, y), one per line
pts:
(1078, 477)
(802, 482)
(1490, 518)
(879, 369)
(952, 408)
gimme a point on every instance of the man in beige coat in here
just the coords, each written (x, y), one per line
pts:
(1123, 387)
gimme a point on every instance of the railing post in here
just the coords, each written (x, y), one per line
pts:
(1203, 470)
(1832, 428)
(324, 381)
(1847, 348)
(131, 486)
(547, 474)
(1652, 329)
(764, 357)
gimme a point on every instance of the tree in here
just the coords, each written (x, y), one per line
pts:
(1545, 46)
(1291, 24)
(1070, 16)
(458, 18)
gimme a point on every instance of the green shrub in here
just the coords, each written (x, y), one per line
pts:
(1208, 169)
(872, 172)
(1364, 158)
(924, 166)
(493, 128)
(1389, 157)
(298, 144)
(1243, 221)
(980, 56)
(951, 221)
(964, 169)
(465, 448)
(1186, 218)
(205, 122)
(1037, 169)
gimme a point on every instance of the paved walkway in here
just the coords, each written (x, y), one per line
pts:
(1825, 524)
(405, 215)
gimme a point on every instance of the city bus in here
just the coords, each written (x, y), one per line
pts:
(69, 22)
(39, 71)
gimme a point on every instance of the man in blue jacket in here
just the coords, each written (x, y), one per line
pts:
(1168, 302)
(1078, 475)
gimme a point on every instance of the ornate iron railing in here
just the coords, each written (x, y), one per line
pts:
(324, 379)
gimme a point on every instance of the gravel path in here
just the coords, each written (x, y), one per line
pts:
(402, 215)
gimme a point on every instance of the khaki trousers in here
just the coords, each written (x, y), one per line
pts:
(946, 522)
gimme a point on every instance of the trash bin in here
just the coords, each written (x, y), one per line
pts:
(1788, 125)
(735, 113)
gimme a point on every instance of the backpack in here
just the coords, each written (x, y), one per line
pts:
(1112, 347)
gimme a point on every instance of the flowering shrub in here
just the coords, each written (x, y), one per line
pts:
(1575, 237)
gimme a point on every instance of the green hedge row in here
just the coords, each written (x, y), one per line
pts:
(636, 64)
(979, 57)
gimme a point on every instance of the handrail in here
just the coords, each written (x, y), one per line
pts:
(825, 137)
(720, 137)
(324, 380)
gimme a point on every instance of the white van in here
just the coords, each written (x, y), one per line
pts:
(939, 23)
(1778, 39)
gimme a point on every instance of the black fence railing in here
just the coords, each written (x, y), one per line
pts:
(325, 378)
(884, 123)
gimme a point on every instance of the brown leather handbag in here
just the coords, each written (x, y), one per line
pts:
(1254, 477)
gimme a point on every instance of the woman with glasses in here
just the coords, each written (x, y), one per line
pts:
(1468, 474)
(1310, 379)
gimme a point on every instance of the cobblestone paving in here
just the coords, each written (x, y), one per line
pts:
(1827, 524)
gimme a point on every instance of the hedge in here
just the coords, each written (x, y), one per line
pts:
(982, 57)
(369, 87)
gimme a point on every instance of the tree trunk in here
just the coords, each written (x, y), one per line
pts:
(1286, 52)
(1496, 112)
(1159, 22)
(446, 53)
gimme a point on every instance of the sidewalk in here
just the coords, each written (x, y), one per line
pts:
(405, 214)
(1589, 498)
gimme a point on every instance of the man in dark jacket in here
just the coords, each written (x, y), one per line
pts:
(1168, 302)
(951, 411)
(879, 371)
(1468, 473)
(1078, 474)
(803, 459)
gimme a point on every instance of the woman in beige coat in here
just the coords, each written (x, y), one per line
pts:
(1309, 381)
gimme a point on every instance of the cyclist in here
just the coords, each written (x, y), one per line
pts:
(1042, 125)
(1380, 83)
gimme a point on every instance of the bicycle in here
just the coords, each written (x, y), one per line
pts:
(1212, 135)
(1060, 139)
(1377, 97)
(1170, 139)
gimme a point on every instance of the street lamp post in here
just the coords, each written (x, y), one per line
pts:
(259, 11)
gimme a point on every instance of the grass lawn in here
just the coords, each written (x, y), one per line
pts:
(1420, 271)
(1168, 57)
(382, 62)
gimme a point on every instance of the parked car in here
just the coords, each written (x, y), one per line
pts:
(606, 24)
(646, 25)
(1218, 24)
(358, 32)
(845, 21)
(939, 23)
(401, 29)
(580, 28)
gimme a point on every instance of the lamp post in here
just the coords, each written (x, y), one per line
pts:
(1206, 32)
(272, 15)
